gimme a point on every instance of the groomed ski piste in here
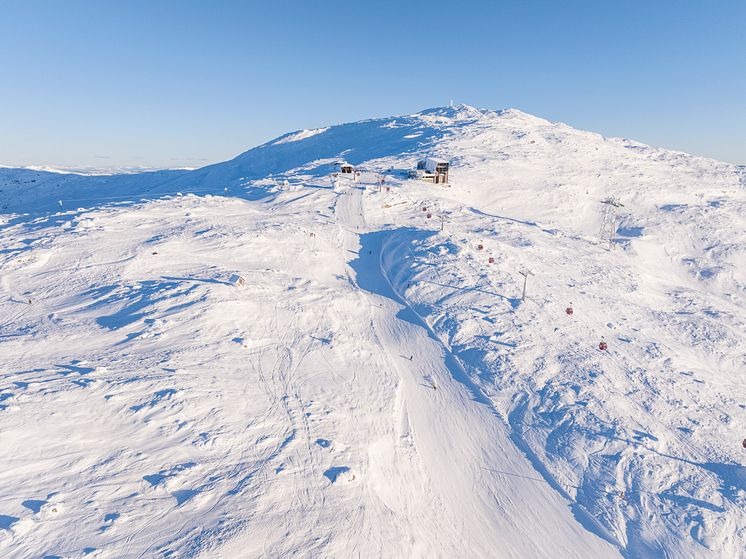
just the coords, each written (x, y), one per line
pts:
(376, 386)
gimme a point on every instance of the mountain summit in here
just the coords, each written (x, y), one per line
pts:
(542, 357)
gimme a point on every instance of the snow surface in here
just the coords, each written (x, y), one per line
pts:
(298, 136)
(377, 388)
(98, 170)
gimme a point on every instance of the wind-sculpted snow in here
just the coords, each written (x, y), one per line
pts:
(376, 387)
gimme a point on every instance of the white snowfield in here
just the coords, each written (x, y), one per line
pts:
(375, 387)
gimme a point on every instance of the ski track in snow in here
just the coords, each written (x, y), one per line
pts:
(377, 388)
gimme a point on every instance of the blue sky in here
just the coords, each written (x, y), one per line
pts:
(169, 83)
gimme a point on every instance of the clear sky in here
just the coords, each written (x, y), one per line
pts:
(171, 83)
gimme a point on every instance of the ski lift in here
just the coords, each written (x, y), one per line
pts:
(568, 310)
(480, 246)
(429, 215)
(491, 260)
(602, 345)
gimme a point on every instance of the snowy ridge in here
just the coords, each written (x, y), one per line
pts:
(40, 191)
(377, 388)
(97, 170)
(298, 136)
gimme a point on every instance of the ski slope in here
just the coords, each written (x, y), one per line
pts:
(378, 388)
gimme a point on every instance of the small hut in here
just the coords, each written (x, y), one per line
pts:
(344, 168)
(237, 280)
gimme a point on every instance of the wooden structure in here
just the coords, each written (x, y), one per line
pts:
(237, 281)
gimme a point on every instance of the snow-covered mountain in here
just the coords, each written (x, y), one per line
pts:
(378, 388)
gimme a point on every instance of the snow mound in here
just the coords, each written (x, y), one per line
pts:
(340, 475)
(298, 136)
